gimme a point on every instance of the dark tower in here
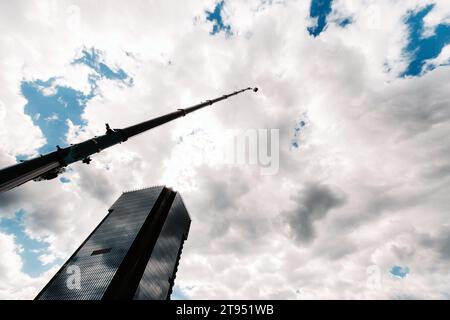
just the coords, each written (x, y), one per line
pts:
(132, 254)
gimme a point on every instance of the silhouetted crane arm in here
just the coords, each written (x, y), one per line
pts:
(49, 166)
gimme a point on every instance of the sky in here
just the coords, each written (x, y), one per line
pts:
(354, 94)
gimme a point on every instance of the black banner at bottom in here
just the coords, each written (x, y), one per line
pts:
(224, 309)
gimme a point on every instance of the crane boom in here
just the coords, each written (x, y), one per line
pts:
(50, 165)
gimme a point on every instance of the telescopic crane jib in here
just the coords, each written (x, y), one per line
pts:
(49, 166)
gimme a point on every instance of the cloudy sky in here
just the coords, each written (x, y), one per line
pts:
(359, 91)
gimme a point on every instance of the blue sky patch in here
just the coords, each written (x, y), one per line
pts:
(400, 272)
(216, 18)
(32, 249)
(64, 180)
(51, 112)
(93, 59)
(319, 9)
(300, 125)
(178, 294)
(420, 49)
(50, 106)
(344, 22)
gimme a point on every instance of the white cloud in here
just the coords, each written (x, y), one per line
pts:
(381, 141)
(439, 14)
(10, 269)
(47, 259)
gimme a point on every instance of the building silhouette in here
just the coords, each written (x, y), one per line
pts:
(132, 254)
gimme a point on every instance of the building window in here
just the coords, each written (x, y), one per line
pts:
(101, 251)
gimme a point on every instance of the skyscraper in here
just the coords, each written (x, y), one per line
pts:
(132, 254)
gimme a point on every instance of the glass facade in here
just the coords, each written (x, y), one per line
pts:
(159, 274)
(118, 243)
